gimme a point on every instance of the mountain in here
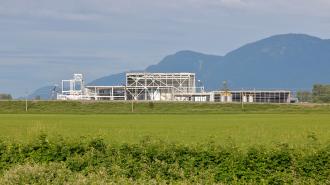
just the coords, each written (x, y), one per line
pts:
(293, 61)
(116, 79)
(290, 61)
(43, 93)
(183, 61)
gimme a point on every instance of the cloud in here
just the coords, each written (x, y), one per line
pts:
(291, 7)
(99, 37)
(20, 72)
(87, 10)
(233, 3)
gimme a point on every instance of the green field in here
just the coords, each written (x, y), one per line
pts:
(92, 107)
(187, 123)
(242, 129)
(163, 143)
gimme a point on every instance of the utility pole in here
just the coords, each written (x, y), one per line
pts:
(225, 86)
(201, 86)
(242, 105)
(226, 94)
(53, 95)
(26, 101)
(242, 100)
(132, 105)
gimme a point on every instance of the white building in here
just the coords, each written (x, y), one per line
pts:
(164, 87)
(139, 87)
(253, 96)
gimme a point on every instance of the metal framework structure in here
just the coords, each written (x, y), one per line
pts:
(73, 89)
(159, 86)
(73, 86)
(164, 87)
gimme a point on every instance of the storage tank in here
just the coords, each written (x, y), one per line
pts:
(250, 99)
(155, 96)
(223, 98)
(229, 98)
(244, 99)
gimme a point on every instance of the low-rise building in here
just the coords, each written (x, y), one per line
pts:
(164, 87)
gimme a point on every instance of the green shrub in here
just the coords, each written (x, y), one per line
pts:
(55, 173)
(91, 161)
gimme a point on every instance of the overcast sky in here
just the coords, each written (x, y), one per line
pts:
(44, 41)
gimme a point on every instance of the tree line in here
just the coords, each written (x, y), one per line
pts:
(5, 96)
(319, 94)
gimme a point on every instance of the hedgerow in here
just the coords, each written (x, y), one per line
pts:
(91, 160)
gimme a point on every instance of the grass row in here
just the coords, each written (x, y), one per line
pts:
(89, 107)
(58, 161)
(244, 129)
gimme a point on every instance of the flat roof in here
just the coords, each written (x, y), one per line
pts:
(110, 86)
(254, 91)
(148, 73)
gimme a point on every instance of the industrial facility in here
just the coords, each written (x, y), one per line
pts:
(164, 87)
(253, 96)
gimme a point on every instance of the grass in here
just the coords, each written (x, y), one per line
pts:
(163, 143)
(244, 130)
(90, 107)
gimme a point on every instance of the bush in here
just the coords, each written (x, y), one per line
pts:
(93, 161)
(55, 173)
(5, 97)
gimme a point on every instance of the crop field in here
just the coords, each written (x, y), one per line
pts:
(242, 129)
(108, 143)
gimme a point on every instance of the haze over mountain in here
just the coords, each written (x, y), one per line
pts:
(44, 93)
(293, 61)
(288, 61)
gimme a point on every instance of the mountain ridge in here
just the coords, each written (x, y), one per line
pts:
(284, 61)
